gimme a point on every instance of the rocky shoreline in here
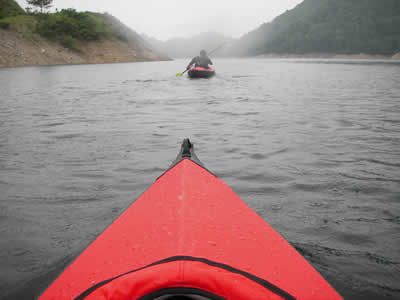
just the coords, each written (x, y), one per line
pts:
(16, 50)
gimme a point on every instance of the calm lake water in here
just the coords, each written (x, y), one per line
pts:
(313, 146)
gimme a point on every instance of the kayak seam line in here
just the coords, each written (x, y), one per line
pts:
(266, 284)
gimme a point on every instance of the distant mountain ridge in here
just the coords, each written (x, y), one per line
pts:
(329, 26)
(189, 47)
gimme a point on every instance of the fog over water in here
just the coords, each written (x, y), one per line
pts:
(311, 145)
(175, 18)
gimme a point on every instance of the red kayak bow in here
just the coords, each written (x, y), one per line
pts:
(189, 234)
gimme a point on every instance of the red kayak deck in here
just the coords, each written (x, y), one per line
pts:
(209, 69)
(190, 230)
(200, 72)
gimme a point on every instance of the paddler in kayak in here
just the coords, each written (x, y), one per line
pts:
(200, 61)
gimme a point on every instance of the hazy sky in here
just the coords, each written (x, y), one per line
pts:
(164, 19)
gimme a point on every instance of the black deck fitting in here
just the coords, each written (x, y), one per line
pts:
(186, 148)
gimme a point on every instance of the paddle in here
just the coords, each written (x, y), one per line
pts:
(180, 74)
(220, 46)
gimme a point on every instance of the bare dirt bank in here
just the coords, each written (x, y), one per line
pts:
(17, 50)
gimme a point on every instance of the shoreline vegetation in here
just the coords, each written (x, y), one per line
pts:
(67, 37)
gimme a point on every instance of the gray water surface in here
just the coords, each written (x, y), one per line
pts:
(313, 146)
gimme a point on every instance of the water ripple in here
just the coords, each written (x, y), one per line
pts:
(307, 143)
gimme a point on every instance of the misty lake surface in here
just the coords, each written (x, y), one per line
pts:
(313, 146)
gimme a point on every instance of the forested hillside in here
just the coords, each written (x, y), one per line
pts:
(329, 26)
(9, 8)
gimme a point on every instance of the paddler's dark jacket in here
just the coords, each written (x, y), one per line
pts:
(200, 61)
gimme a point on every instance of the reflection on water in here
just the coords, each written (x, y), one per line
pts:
(312, 146)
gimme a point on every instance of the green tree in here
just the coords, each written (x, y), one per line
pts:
(43, 4)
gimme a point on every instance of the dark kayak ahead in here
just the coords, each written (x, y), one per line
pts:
(189, 236)
(199, 72)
